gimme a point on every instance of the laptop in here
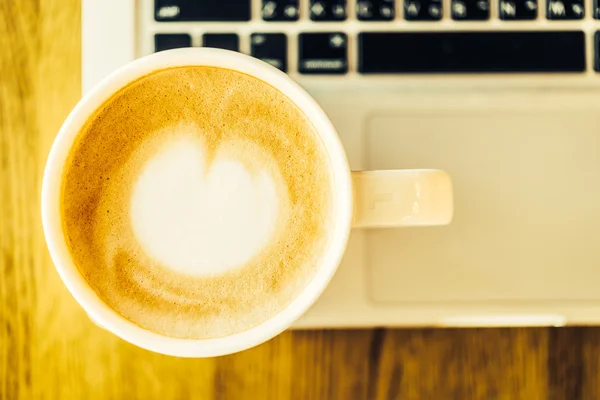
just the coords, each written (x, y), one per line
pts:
(502, 94)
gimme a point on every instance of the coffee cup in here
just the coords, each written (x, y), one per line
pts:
(362, 199)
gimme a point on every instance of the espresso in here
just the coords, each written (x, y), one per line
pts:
(197, 202)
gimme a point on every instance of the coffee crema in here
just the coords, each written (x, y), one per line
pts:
(197, 202)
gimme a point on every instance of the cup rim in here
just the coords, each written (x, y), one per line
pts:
(77, 285)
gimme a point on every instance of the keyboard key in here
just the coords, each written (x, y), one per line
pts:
(565, 9)
(227, 41)
(597, 51)
(202, 10)
(323, 53)
(375, 10)
(423, 10)
(327, 10)
(518, 9)
(470, 10)
(164, 41)
(271, 48)
(280, 10)
(462, 52)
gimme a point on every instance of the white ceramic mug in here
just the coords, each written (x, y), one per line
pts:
(362, 199)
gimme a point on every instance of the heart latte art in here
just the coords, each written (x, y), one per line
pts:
(204, 219)
(197, 202)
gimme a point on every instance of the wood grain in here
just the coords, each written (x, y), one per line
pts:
(50, 350)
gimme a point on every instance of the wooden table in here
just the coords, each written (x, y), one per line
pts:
(49, 348)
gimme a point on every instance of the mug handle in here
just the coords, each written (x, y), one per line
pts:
(396, 198)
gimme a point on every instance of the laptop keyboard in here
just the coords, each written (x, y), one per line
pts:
(335, 37)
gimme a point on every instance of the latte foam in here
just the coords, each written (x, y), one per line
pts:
(205, 221)
(197, 202)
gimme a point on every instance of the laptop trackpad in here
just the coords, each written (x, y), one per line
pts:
(527, 207)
